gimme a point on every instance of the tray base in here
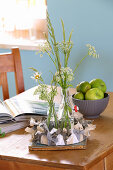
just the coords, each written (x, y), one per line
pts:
(40, 147)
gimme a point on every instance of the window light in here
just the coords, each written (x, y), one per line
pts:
(22, 21)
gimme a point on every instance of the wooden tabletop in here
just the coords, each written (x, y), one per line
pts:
(14, 146)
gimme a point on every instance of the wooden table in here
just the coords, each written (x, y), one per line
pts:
(15, 155)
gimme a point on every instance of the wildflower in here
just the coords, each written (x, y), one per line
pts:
(66, 73)
(92, 51)
(36, 76)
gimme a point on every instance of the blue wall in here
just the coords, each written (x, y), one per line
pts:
(92, 22)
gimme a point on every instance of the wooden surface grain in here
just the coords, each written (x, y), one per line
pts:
(14, 147)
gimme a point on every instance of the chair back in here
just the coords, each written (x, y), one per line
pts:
(11, 62)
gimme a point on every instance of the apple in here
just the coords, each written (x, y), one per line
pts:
(78, 87)
(83, 87)
(79, 95)
(94, 94)
(98, 83)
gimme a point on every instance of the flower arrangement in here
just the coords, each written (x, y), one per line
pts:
(63, 77)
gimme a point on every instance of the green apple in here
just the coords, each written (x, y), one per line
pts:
(98, 83)
(79, 95)
(78, 88)
(94, 94)
(83, 87)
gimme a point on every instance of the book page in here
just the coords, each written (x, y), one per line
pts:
(18, 104)
(3, 108)
(12, 126)
(27, 104)
(4, 113)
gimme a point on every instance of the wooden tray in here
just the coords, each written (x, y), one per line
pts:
(40, 147)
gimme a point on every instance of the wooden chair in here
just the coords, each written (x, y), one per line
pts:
(11, 62)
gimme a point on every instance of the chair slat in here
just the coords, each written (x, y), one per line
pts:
(6, 63)
(11, 62)
(4, 82)
(18, 71)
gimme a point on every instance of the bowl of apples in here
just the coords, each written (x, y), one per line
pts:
(91, 98)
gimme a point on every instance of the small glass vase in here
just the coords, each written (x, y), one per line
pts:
(52, 115)
(63, 113)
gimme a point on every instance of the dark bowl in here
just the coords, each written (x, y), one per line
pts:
(91, 108)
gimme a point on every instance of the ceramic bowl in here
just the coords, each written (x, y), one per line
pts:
(91, 108)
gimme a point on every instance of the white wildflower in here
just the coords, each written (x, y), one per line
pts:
(36, 76)
(92, 51)
(65, 73)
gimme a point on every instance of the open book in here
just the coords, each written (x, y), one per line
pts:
(22, 107)
(12, 126)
